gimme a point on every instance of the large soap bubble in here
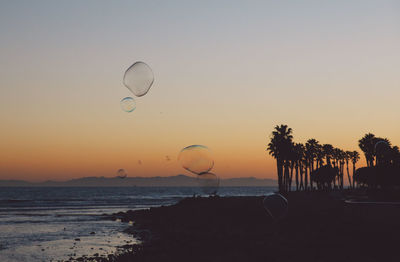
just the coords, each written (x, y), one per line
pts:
(276, 206)
(382, 152)
(128, 104)
(138, 78)
(208, 182)
(121, 173)
(196, 159)
(381, 147)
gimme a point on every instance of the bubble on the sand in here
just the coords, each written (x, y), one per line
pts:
(276, 206)
(139, 162)
(138, 78)
(196, 159)
(121, 173)
(208, 182)
(128, 104)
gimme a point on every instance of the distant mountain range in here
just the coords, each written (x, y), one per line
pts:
(179, 180)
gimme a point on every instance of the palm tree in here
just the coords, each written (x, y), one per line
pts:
(328, 152)
(355, 156)
(279, 148)
(298, 156)
(320, 156)
(347, 158)
(367, 145)
(311, 154)
(342, 157)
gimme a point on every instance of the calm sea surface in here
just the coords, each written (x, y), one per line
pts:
(55, 224)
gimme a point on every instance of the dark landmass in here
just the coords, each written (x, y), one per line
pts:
(319, 227)
(170, 181)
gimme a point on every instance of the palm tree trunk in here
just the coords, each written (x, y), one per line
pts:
(279, 165)
(286, 176)
(291, 176)
(348, 174)
(306, 177)
(341, 175)
(301, 177)
(311, 169)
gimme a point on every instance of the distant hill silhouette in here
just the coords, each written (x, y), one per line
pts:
(179, 180)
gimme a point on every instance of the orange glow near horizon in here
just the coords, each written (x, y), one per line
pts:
(225, 76)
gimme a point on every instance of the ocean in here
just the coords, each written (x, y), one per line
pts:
(59, 223)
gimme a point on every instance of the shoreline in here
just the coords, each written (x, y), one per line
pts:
(320, 227)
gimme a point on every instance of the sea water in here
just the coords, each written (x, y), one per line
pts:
(59, 223)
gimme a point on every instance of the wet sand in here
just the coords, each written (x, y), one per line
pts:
(319, 227)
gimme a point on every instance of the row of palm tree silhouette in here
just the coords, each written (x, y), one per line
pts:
(321, 166)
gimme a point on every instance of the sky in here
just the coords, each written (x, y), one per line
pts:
(226, 73)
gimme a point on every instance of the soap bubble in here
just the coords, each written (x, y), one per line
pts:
(276, 206)
(382, 152)
(208, 182)
(128, 104)
(138, 78)
(381, 146)
(196, 159)
(121, 173)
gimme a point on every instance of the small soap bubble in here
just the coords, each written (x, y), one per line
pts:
(121, 173)
(128, 104)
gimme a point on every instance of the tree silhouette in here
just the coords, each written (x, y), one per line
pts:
(367, 145)
(355, 156)
(305, 162)
(279, 148)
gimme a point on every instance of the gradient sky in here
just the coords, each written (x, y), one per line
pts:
(225, 74)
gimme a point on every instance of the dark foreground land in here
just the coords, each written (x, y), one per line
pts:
(319, 227)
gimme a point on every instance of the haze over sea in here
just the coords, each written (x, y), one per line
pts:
(56, 223)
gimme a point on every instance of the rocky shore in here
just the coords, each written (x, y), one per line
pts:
(319, 227)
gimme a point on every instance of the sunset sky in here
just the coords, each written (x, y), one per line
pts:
(226, 72)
